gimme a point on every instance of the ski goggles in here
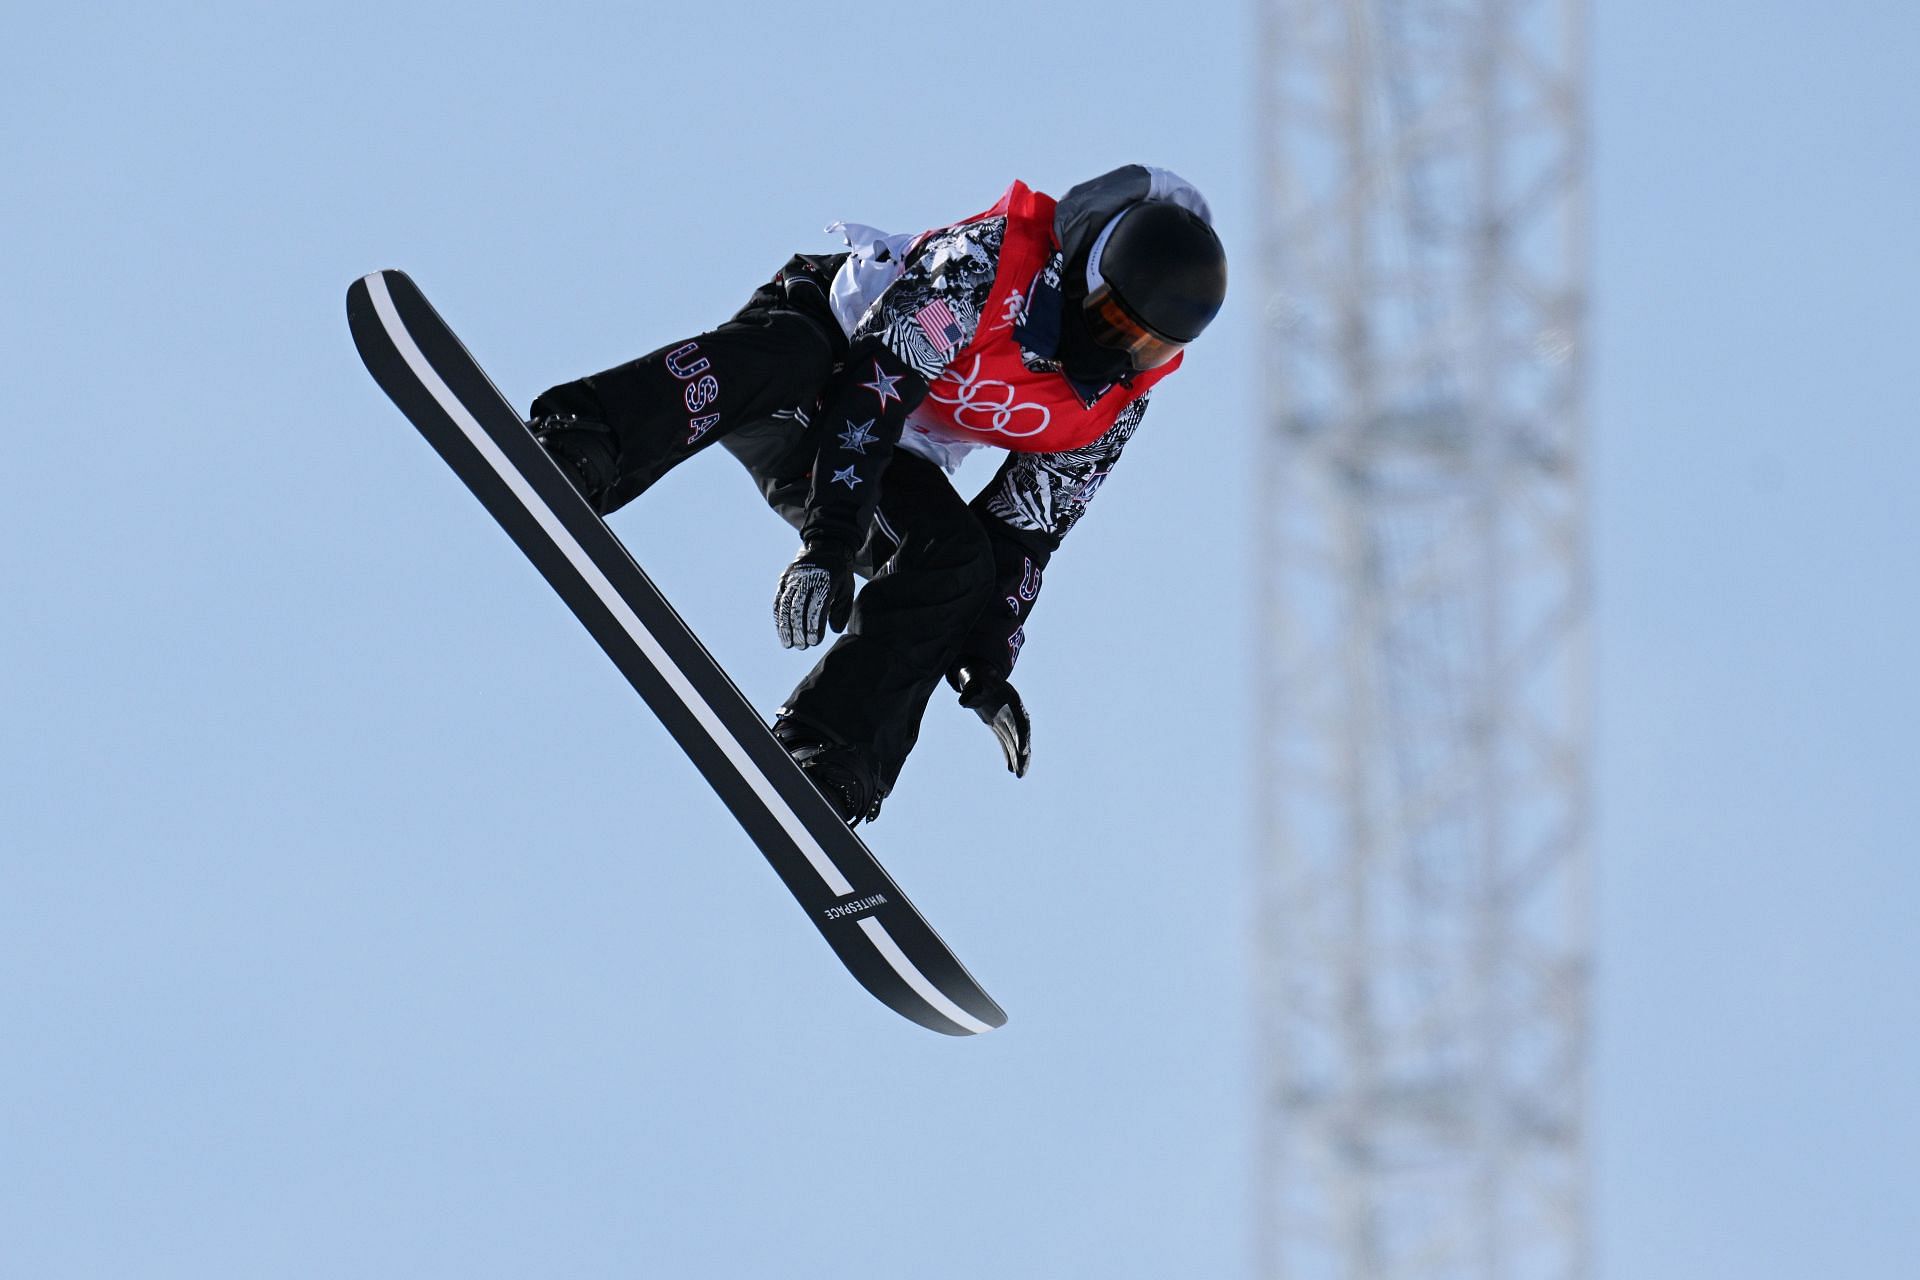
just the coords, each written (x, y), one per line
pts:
(1117, 329)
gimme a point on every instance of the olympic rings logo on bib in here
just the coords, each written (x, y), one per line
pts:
(987, 404)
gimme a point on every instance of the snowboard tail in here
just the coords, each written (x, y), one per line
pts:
(883, 941)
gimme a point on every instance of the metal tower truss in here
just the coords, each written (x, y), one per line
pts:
(1423, 937)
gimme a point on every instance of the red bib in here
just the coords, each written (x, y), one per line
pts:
(987, 395)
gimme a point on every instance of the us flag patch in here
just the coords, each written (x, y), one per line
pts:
(941, 326)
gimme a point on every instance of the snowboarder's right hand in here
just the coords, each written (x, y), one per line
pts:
(987, 694)
(816, 592)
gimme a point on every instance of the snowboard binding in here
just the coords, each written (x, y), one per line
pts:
(839, 771)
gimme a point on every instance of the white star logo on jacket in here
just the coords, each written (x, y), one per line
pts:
(847, 478)
(857, 437)
(882, 386)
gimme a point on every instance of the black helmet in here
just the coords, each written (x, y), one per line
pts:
(1155, 278)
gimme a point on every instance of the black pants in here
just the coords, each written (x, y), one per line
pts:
(753, 384)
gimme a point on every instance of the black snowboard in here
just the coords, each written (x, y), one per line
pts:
(847, 894)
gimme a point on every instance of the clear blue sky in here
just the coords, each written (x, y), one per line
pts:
(356, 919)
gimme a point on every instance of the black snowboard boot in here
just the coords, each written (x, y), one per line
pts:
(840, 772)
(586, 450)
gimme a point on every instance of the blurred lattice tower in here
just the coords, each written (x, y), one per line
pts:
(1423, 933)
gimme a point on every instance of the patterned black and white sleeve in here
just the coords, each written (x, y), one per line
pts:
(1045, 494)
(1033, 501)
(901, 345)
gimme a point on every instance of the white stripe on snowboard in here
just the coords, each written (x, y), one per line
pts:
(662, 661)
(883, 943)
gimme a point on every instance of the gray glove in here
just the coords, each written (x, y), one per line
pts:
(815, 592)
(988, 695)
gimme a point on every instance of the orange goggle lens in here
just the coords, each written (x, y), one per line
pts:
(1114, 329)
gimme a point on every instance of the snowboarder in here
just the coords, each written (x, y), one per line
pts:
(851, 381)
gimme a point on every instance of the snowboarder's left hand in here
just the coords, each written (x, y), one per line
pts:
(988, 695)
(816, 592)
